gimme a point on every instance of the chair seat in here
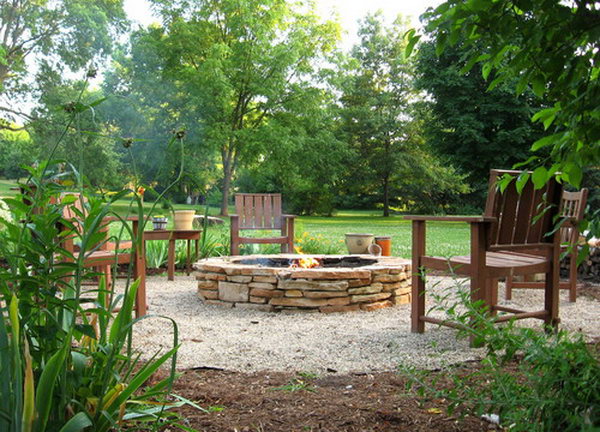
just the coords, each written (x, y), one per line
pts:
(498, 264)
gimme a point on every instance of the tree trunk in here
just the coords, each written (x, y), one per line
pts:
(225, 190)
(386, 196)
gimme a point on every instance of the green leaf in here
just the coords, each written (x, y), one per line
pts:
(522, 181)
(411, 44)
(545, 141)
(539, 177)
(77, 423)
(539, 85)
(45, 387)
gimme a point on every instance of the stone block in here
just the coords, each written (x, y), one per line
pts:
(232, 270)
(312, 285)
(207, 284)
(254, 299)
(211, 268)
(267, 293)
(239, 279)
(332, 309)
(265, 279)
(262, 285)
(387, 278)
(377, 305)
(369, 297)
(402, 291)
(325, 294)
(330, 274)
(299, 302)
(208, 294)
(253, 306)
(233, 292)
(259, 271)
(339, 301)
(401, 299)
(293, 293)
(374, 288)
(354, 283)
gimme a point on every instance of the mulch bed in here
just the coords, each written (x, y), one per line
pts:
(275, 401)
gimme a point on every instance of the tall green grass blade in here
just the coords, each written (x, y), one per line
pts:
(77, 423)
(28, 392)
(16, 367)
(6, 400)
(45, 388)
(123, 318)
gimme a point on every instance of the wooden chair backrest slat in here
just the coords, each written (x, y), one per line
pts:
(572, 205)
(259, 211)
(522, 218)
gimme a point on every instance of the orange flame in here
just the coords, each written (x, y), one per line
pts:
(305, 262)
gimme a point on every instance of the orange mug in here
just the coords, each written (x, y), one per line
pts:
(385, 243)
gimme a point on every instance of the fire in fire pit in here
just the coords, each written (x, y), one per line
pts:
(306, 261)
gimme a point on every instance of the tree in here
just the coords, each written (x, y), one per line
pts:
(239, 63)
(378, 115)
(57, 34)
(549, 45)
(474, 129)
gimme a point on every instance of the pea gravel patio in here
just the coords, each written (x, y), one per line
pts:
(246, 340)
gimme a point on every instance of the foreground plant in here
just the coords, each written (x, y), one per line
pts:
(533, 380)
(66, 360)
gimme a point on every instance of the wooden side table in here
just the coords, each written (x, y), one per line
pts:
(171, 236)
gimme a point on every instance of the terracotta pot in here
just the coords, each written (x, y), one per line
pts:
(183, 219)
(385, 243)
(359, 243)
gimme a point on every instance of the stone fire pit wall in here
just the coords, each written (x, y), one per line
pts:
(332, 289)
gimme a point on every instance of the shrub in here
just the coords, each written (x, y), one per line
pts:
(534, 380)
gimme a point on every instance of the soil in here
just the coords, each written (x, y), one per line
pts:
(275, 401)
(589, 290)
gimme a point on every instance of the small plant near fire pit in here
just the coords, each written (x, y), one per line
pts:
(533, 380)
(296, 384)
(317, 244)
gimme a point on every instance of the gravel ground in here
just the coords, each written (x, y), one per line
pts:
(243, 340)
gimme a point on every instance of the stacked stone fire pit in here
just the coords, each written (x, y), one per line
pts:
(339, 284)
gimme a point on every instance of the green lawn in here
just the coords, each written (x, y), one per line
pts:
(443, 238)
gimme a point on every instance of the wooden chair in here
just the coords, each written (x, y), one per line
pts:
(572, 206)
(509, 239)
(106, 255)
(261, 212)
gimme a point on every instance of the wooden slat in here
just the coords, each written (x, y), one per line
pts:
(248, 204)
(535, 229)
(277, 211)
(523, 217)
(268, 213)
(259, 205)
(508, 212)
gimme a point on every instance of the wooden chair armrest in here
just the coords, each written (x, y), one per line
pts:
(469, 219)
(288, 216)
(115, 219)
(234, 216)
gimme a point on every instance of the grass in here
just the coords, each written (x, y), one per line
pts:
(443, 238)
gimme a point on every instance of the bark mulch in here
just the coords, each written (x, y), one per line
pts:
(275, 401)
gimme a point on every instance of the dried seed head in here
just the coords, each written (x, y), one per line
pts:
(179, 134)
(127, 142)
(70, 107)
(92, 72)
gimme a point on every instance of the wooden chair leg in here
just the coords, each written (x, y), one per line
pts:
(418, 279)
(552, 288)
(573, 275)
(492, 289)
(508, 288)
